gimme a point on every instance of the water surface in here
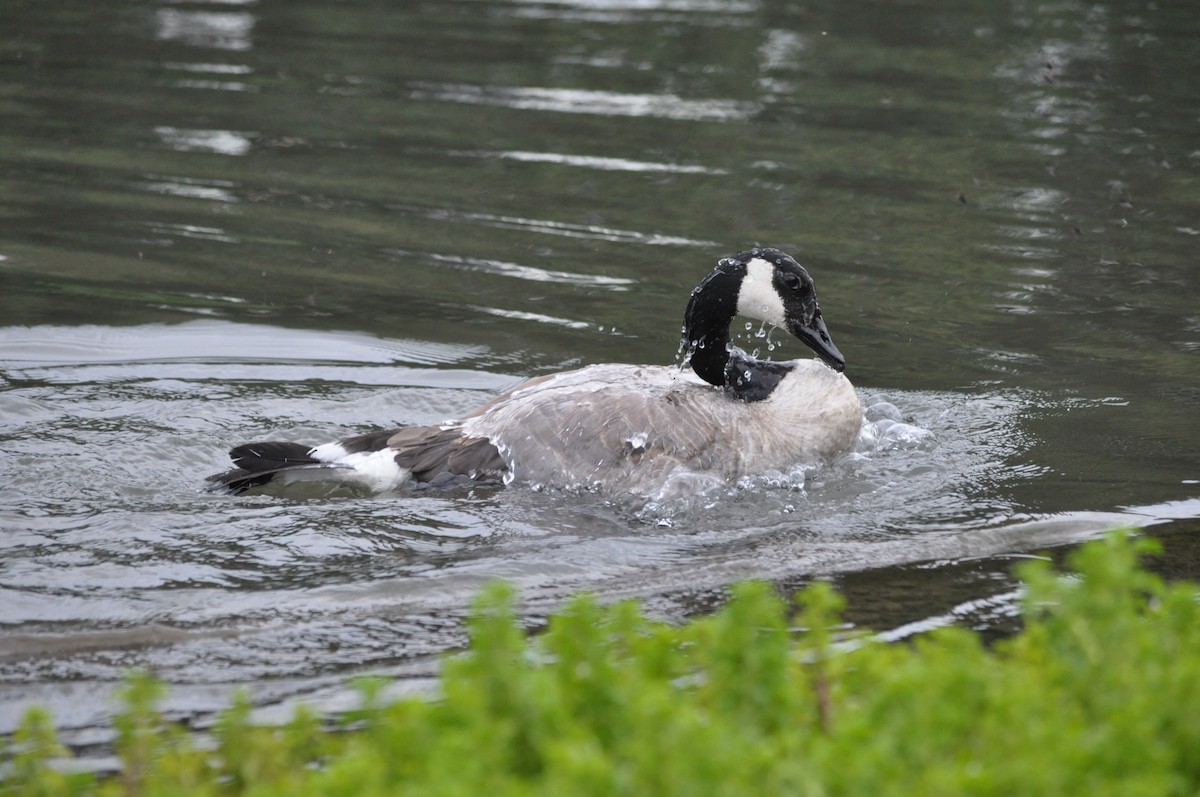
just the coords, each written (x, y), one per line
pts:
(225, 221)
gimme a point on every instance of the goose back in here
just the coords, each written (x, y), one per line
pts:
(656, 431)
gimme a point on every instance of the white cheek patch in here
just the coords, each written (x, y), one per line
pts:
(757, 297)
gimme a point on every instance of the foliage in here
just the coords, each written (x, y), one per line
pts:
(1098, 695)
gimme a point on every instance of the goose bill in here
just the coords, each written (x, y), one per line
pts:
(815, 335)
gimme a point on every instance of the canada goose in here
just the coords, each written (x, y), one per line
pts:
(647, 430)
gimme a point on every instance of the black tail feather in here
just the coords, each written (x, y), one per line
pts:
(431, 455)
(258, 457)
(257, 464)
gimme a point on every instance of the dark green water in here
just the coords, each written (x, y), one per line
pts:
(222, 221)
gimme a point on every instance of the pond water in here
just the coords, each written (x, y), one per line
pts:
(230, 220)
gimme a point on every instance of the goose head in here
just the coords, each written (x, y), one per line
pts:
(762, 284)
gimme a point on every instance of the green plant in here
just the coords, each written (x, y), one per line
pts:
(1097, 695)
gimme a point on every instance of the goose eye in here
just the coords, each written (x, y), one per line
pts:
(791, 281)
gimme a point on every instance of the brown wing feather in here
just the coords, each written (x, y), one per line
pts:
(434, 454)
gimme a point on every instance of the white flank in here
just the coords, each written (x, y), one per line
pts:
(328, 452)
(377, 470)
(757, 297)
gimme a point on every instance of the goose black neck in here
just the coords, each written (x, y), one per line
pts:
(706, 339)
(706, 321)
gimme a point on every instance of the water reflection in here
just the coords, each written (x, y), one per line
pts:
(178, 230)
(191, 187)
(692, 12)
(589, 101)
(222, 30)
(213, 85)
(518, 271)
(60, 350)
(591, 162)
(215, 69)
(698, 6)
(1034, 202)
(221, 142)
(521, 315)
(549, 227)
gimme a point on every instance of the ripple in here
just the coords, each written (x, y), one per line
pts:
(214, 85)
(692, 12)
(548, 227)
(210, 73)
(191, 231)
(217, 69)
(588, 101)
(592, 162)
(191, 188)
(223, 30)
(695, 6)
(220, 142)
(518, 271)
(520, 315)
(211, 341)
